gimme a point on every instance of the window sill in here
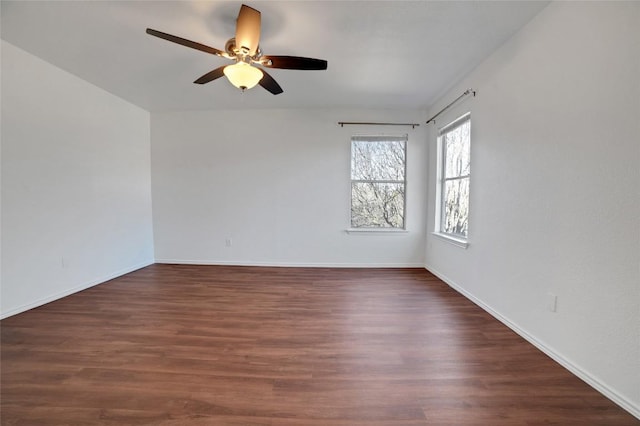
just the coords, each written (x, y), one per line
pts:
(375, 231)
(459, 242)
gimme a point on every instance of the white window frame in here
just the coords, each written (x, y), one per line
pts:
(378, 138)
(457, 239)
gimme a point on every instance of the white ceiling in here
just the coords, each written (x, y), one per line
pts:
(396, 54)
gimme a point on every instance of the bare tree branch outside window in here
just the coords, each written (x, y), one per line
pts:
(378, 181)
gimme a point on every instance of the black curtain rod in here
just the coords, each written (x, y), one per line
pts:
(342, 124)
(466, 92)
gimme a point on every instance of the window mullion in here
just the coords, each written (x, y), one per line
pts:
(376, 181)
(456, 177)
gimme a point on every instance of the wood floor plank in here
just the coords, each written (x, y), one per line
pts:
(174, 345)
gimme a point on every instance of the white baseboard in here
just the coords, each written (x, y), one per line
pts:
(290, 264)
(70, 291)
(623, 402)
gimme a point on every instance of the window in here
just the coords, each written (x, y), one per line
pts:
(454, 167)
(378, 181)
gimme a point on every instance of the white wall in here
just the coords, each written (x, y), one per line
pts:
(555, 204)
(277, 183)
(76, 203)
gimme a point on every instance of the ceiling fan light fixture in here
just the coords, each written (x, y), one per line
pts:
(243, 75)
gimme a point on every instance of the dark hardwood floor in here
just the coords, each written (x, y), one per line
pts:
(215, 345)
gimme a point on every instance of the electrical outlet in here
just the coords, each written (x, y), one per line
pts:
(228, 242)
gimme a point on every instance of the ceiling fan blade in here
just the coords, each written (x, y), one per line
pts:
(270, 84)
(248, 29)
(185, 42)
(294, 63)
(211, 75)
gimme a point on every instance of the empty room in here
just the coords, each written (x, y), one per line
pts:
(323, 213)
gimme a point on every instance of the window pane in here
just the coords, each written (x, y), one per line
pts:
(456, 146)
(377, 160)
(455, 214)
(377, 205)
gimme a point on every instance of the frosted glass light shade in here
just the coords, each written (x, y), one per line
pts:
(243, 75)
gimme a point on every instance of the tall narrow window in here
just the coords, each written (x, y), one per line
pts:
(454, 142)
(378, 181)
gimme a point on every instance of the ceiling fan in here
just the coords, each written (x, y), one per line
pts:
(244, 50)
